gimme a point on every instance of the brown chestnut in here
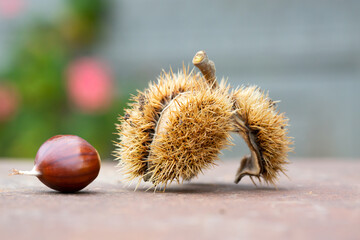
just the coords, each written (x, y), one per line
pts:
(65, 163)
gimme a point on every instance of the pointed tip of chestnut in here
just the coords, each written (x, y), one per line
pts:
(67, 163)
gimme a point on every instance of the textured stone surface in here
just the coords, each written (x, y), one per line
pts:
(321, 200)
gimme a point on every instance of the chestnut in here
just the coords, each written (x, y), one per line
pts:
(65, 163)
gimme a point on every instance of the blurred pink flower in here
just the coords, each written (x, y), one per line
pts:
(11, 8)
(9, 102)
(90, 85)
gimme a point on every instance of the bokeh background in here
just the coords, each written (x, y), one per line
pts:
(69, 67)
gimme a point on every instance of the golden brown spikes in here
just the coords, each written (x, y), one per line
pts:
(177, 127)
(190, 134)
(137, 128)
(268, 130)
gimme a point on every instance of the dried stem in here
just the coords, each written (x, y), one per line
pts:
(206, 66)
(33, 172)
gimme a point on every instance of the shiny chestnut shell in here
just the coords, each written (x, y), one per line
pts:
(67, 163)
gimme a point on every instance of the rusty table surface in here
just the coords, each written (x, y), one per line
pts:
(321, 200)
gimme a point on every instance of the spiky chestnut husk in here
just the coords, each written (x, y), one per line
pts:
(265, 131)
(176, 128)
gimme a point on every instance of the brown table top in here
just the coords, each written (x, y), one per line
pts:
(321, 200)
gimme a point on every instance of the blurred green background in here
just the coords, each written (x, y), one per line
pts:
(69, 67)
(53, 83)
